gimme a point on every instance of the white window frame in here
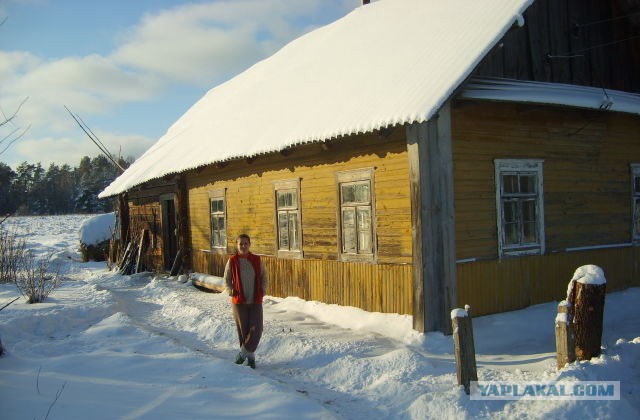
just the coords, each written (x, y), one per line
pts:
(635, 208)
(520, 166)
(355, 176)
(290, 184)
(217, 195)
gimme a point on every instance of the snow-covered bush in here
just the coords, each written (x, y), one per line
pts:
(37, 278)
(95, 234)
(12, 255)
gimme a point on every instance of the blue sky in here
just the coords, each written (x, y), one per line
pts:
(131, 68)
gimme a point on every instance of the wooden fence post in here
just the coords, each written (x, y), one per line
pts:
(586, 295)
(464, 347)
(565, 347)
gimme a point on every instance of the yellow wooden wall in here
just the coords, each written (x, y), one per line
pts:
(383, 285)
(587, 198)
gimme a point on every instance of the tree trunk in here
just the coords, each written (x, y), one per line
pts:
(588, 311)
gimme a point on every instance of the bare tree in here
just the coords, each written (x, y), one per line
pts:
(14, 132)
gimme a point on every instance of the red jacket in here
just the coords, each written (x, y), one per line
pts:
(234, 264)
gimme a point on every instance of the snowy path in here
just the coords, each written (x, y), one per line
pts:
(283, 330)
(140, 347)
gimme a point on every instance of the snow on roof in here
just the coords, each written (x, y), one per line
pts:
(386, 63)
(551, 93)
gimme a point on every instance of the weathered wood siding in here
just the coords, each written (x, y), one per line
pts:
(145, 212)
(384, 285)
(587, 198)
(582, 42)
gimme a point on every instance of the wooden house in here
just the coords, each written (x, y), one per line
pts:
(417, 155)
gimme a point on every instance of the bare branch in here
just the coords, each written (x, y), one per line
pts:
(7, 120)
(14, 139)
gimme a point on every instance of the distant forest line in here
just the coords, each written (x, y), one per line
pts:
(31, 189)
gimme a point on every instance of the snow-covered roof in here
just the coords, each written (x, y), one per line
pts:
(551, 93)
(389, 62)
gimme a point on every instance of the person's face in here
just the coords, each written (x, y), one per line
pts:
(243, 246)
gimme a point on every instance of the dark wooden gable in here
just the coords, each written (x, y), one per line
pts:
(582, 42)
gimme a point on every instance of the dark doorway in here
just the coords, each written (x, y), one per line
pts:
(169, 238)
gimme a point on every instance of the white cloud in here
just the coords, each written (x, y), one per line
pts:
(190, 45)
(204, 43)
(70, 150)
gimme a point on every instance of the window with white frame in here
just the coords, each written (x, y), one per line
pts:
(520, 207)
(217, 210)
(635, 197)
(287, 195)
(356, 213)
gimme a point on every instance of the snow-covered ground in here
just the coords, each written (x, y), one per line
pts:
(143, 347)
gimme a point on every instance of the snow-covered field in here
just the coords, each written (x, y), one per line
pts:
(108, 346)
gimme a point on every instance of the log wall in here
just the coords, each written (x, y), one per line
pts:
(383, 284)
(587, 199)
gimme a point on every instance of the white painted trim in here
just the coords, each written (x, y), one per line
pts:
(589, 248)
(511, 90)
(520, 165)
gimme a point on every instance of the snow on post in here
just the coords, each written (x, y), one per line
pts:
(585, 302)
(464, 347)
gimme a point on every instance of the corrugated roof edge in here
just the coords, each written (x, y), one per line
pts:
(298, 142)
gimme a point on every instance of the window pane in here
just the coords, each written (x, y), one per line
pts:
(364, 230)
(287, 199)
(349, 239)
(528, 210)
(529, 232)
(510, 183)
(510, 210)
(293, 231)
(348, 193)
(511, 234)
(283, 230)
(527, 184)
(362, 192)
(636, 183)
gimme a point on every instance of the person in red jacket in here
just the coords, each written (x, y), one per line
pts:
(246, 282)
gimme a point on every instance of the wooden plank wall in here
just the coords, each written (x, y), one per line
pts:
(587, 198)
(318, 275)
(372, 287)
(601, 52)
(145, 212)
(515, 283)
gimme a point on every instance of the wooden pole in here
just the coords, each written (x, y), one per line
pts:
(464, 348)
(588, 314)
(565, 347)
(585, 298)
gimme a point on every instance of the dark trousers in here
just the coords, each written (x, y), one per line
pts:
(249, 324)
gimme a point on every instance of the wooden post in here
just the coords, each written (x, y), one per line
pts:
(565, 347)
(586, 295)
(588, 314)
(464, 348)
(432, 215)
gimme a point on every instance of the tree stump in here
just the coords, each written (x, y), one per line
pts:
(587, 321)
(586, 300)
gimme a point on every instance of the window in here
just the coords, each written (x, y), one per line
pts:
(217, 210)
(287, 195)
(635, 197)
(356, 213)
(519, 202)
